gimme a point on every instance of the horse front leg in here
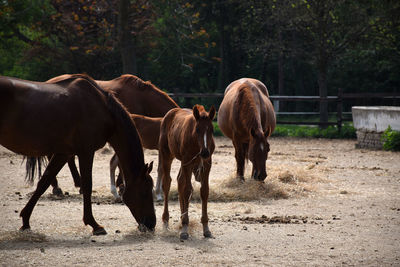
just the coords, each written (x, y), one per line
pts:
(204, 191)
(185, 190)
(55, 164)
(85, 165)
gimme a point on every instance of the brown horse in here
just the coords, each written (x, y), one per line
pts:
(74, 117)
(188, 136)
(247, 117)
(139, 97)
(149, 132)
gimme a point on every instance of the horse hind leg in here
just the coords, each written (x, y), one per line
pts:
(74, 172)
(54, 183)
(158, 192)
(113, 167)
(54, 166)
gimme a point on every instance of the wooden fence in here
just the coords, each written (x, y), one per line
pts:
(394, 99)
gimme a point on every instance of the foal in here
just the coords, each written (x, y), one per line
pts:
(188, 136)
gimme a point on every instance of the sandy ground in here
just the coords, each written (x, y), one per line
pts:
(324, 203)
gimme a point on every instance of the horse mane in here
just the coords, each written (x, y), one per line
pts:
(145, 86)
(120, 114)
(247, 107)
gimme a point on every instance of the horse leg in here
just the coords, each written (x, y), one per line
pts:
(56, 189)
(185, 190)
(166, 161)
(158, 193)
(86, 165)
(54, 183)
(240, 157)
(204, 190)
(113, 167)
(55, 164)
(74, 171)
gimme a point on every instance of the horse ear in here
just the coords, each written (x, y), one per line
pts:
(149, 167)
(211, 113)
(196, 113)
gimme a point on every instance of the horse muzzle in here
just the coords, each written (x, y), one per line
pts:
(148, 224)
(205, 153)
(259, 176)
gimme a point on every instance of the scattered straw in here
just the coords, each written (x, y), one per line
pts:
(282, 182)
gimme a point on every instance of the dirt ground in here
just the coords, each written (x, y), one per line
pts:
(324, 203)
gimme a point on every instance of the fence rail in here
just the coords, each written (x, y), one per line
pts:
(339, 99)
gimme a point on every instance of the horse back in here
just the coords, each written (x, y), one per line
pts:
(245, 105)
(176, 131)
(51, 116)
(138, 96)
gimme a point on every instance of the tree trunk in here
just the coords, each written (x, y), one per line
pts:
(323, 90)
(126, 42)
(281, 80)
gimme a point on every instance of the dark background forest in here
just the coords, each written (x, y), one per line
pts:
(296, 47)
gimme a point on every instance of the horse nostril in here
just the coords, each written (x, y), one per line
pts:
(205, 153)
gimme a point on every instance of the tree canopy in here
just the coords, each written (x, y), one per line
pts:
(296, 47)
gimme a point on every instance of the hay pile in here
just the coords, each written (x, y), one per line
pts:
(282, 182)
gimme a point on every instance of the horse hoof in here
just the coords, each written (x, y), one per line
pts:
(99, 231)
(184, 236)
(207, 234)
(25, 229)
(57, 191)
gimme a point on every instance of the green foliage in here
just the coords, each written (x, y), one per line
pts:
(347, 131)
(217, 130)
(391, 139)
(330, 132)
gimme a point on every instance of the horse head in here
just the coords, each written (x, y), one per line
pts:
(204, 130)
(258, 153)
(140, 191)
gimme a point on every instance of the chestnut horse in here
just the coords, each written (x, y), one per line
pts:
(247, 117)
(149, 132)
(188, 136)
(74, 117)
(139, 97)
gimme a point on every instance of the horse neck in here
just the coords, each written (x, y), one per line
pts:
(164, 103)
(129, 152)
(126, 141)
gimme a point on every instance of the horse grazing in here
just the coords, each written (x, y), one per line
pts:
(247, 117)
(188, 136)
(149, 132)
(139, 97)
(75, 117)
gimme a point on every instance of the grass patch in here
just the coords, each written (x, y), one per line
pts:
(331, 132)
(347, 131)
(391, 139)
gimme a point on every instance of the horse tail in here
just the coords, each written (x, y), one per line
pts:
(33, 165)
